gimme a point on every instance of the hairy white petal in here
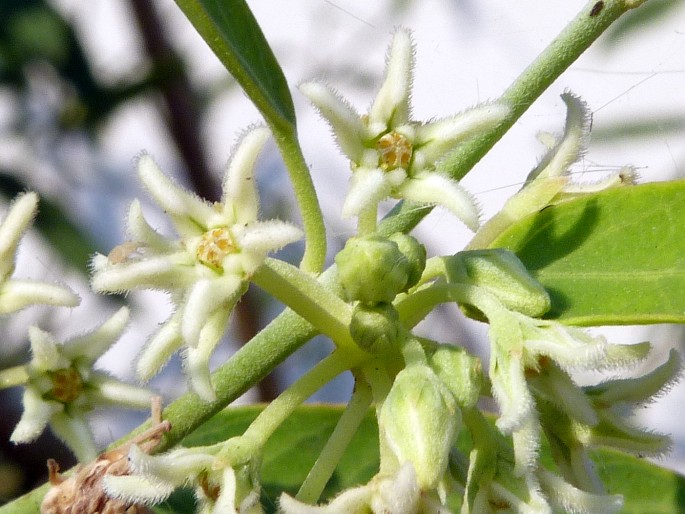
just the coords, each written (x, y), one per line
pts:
(44, 351)
(240, 188)
(225, 503)
(262, 237)
(137, 489)
(203, 300)
(140, 230)
(367, 188)
(391, 106)
(159, 348)
(352, 500)
(642, 389)
(196, 360)
(557, 387)
(18, 218)
(345, 121)
(17, 294)
(73, 429)
(153, 273)
(511, 392)
(536, 503)
(568, 498)
(89, 347)
(186, 209)
(106, 390)
(438, 138)
(526, 439)
(435, 188)
(399, 494)
(176, 467)
(37, 414)
(571, 145)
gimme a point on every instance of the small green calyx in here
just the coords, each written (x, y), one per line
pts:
(415, 253)
(419, 421)
(460, 371)
(372, 270)
(502, 274)
(67, 385)
(375, 328)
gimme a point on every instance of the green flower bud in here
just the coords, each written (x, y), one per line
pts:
(372, 270)
(504, 275)
(460, 371)
(375, 328)
(419, 421)
(415, 253)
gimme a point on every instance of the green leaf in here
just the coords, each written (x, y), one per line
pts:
(231, 31)
(293, 448)
(613, 258)
(645, 487)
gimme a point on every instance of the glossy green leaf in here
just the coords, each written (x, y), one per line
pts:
(614, 258)
(295, 445)
(231, 31)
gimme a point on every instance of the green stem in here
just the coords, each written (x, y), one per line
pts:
(342, 435)
(306, 296)
(243, 448)
(314, 256)
(367, 221)
(578, 35)
(13, 376)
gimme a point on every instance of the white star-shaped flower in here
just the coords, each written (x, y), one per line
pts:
(206, 269)
(393, 156)
(62, 386)
(16, 294)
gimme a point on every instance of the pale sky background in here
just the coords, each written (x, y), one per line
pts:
(467, 52)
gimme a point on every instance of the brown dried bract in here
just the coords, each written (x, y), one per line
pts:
(82, 493)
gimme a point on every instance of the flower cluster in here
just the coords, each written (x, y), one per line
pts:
(394, 156)
(425, 393)
(62, 386)
(206, 270)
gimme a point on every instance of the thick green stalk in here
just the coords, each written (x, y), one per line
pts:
(547, 67)
(311, 300)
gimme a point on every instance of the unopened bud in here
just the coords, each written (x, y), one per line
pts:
(372, 270)
(504, 275)
(415, 253)
(419, 421)
(375, 328)
(460, 371)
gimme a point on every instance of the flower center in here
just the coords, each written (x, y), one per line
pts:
(395, 151)
(215, 245)
(67, 385)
